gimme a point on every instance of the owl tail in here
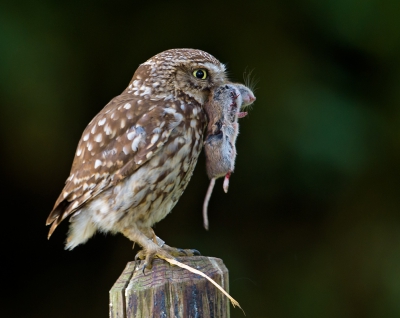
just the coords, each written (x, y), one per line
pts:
(80, 230)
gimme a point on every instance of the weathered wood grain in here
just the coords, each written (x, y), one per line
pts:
(170, 291)
(117, 293)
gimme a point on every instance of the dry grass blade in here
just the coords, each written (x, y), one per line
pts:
(191, 269)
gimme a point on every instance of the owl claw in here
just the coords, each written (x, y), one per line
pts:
(196, 252)
(143, 269)
(140, 256)
(182, 251)
(189, 252)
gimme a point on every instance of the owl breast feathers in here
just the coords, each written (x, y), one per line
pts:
(136, 156)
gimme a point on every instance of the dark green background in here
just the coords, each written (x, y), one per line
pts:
(311, 224)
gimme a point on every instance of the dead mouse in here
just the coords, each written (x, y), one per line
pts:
(223, 110)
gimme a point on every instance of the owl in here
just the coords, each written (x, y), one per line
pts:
(137, 155)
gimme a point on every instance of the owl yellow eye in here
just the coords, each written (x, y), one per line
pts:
(200, 74)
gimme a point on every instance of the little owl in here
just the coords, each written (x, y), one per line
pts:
(136, 157)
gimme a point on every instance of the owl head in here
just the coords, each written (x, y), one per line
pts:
(178, 73)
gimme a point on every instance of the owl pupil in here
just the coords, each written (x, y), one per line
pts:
(200, 74)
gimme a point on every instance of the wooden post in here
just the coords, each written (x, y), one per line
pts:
(171, 291)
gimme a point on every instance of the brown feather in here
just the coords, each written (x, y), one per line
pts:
(122, 165)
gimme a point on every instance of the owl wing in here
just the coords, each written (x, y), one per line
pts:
(127, 133)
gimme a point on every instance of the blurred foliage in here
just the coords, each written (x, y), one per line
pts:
(311, 225)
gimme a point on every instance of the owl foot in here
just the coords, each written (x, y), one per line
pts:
(162, 252)
(153, 246)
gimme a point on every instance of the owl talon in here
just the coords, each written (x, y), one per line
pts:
(146, 257)
(182, 251)
(144, 268)
(196, 252)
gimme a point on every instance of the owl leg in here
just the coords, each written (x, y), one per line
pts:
(174, 251)
(150, 249)
(141, 255)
